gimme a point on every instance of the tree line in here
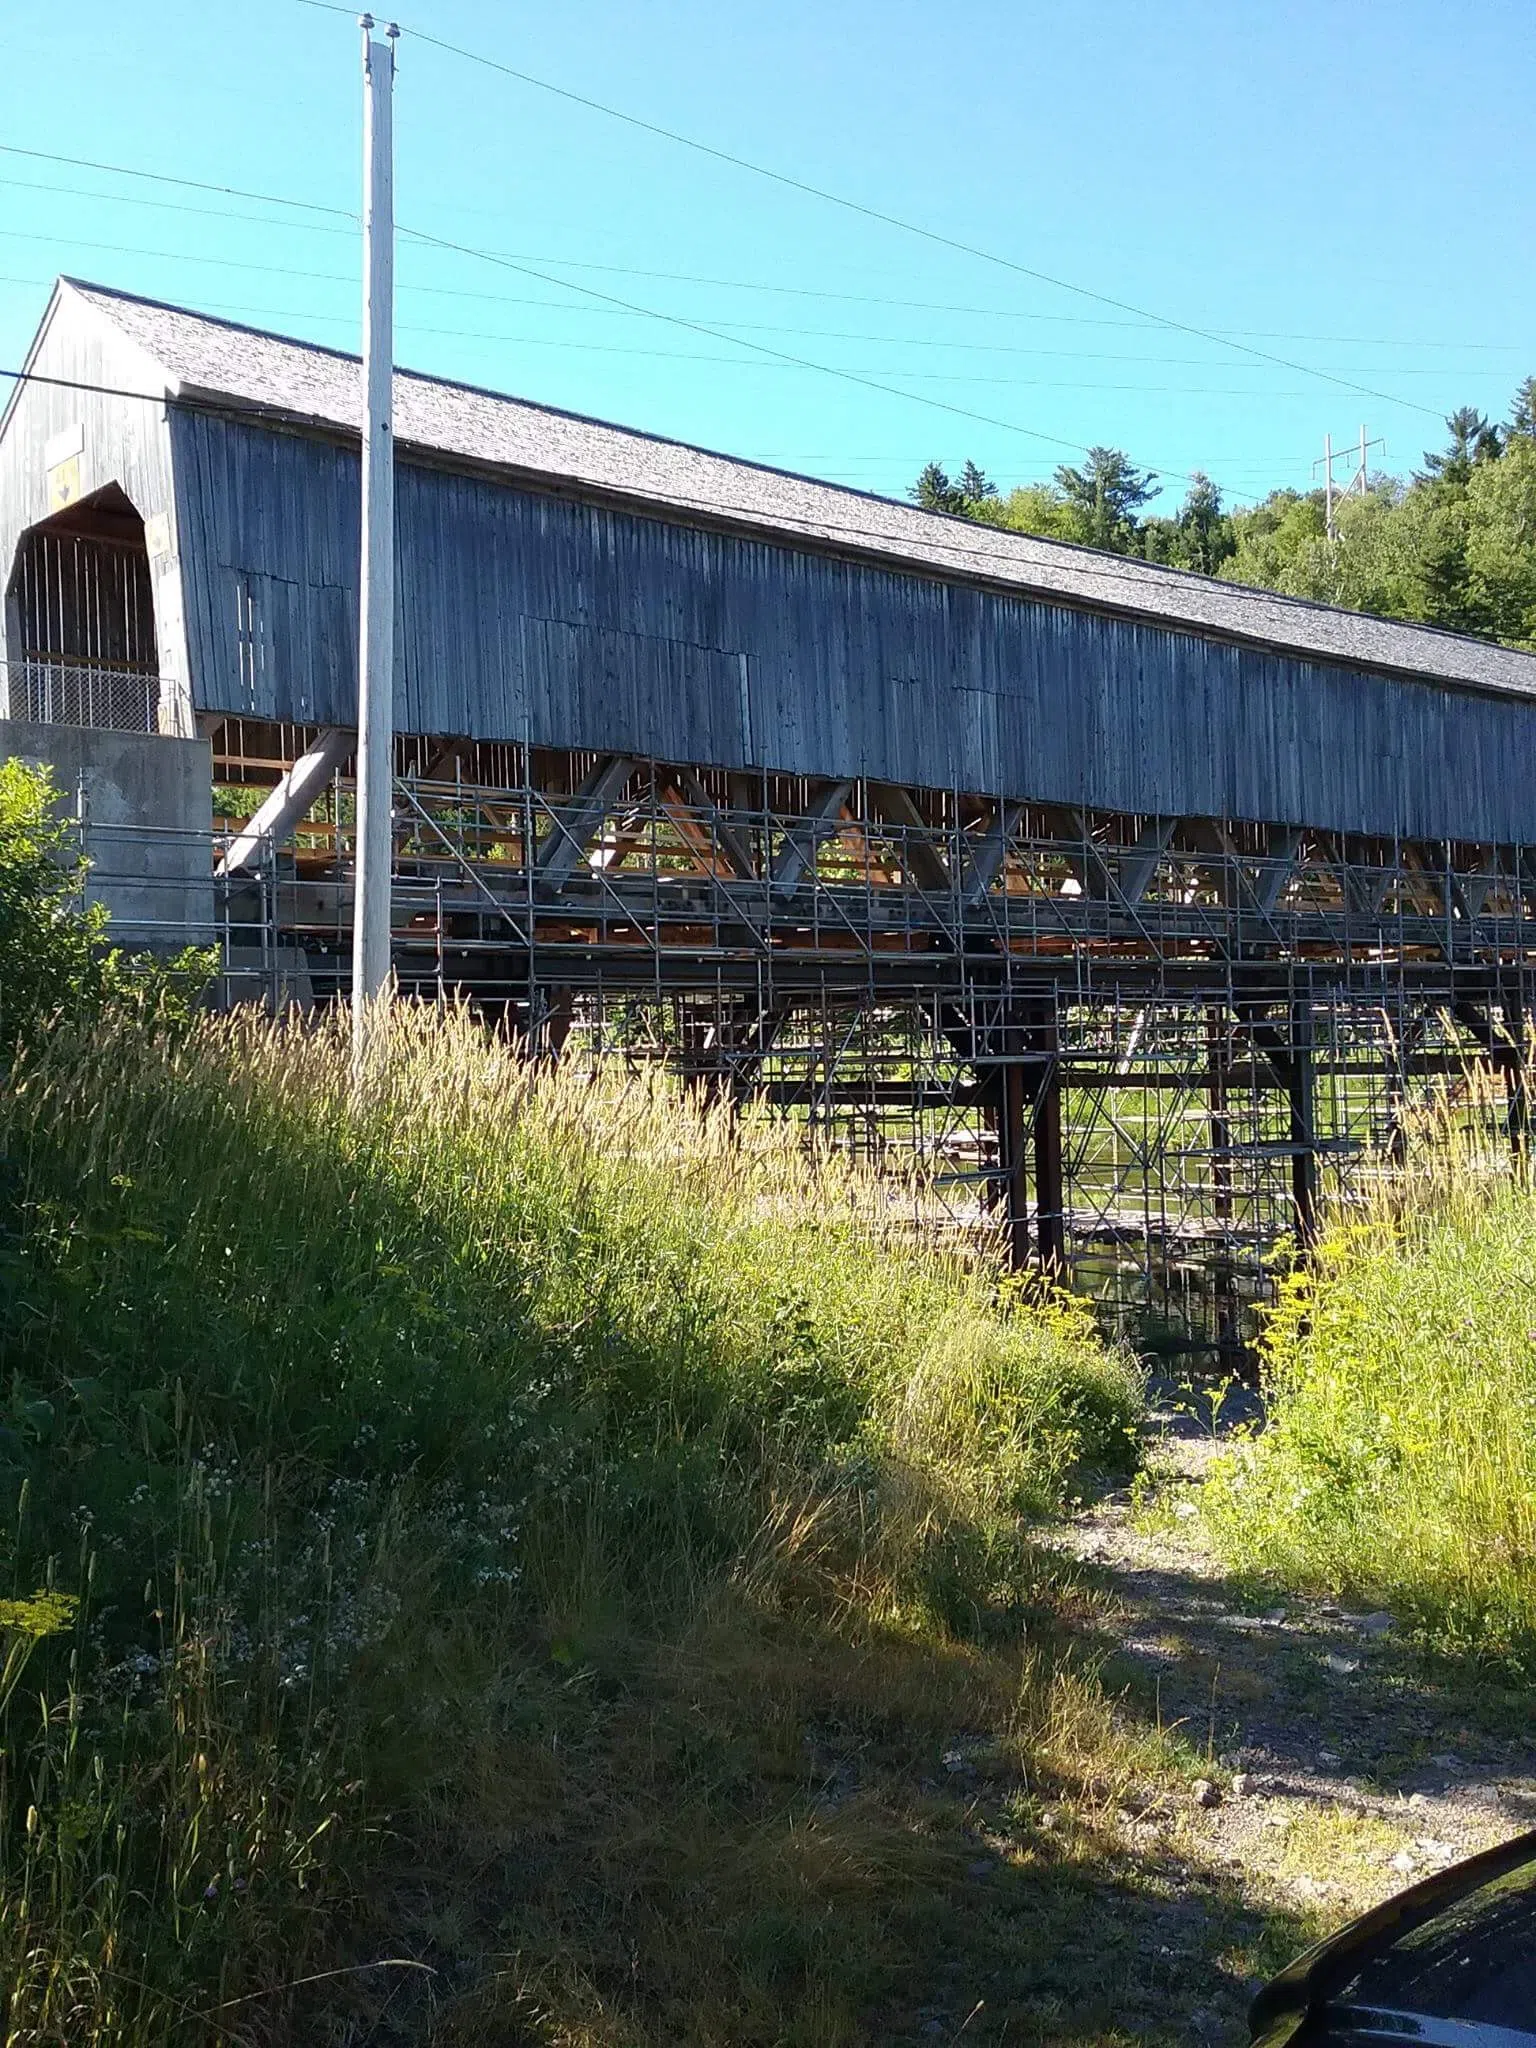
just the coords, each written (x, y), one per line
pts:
(1453, 545)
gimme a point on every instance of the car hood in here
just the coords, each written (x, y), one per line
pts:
(1449, 1963)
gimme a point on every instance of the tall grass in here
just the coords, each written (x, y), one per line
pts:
(1398, 1465)
(345, 1414)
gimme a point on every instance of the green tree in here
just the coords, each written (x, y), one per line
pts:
(976, 487)
(1280, 544)
(1199, 538)
(49, 941)
(1499, 544)
(1207, 530)
(1039, 509)
(965, 497)
(935, 492)
(1373, 566)
(1455, 547)
(53, 946)
(1474, 439)
(1109, 491)
(1442, 562)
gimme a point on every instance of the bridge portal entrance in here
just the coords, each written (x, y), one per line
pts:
(80, 619)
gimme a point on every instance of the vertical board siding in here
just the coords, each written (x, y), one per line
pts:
(122, 442)
(527, 616)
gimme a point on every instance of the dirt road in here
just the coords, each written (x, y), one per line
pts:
(1331, 1762)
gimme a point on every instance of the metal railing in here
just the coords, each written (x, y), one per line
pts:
(80, 693)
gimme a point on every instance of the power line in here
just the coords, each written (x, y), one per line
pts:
(611, 300)
(759, 170)
(714, 334)
(729, 327)
(754, 513)
(1234, 489)
(780, 360)
(884, 459)
(892, 220)
(85, 163)
(180, 256)
(255, 220)
(763, 349)
(701, 278)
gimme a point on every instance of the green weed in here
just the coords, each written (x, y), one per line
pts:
(1398, 1465)
(486, 1491)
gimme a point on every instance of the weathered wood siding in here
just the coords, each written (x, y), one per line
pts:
(123, 441)
(528, 616)
(523, 615)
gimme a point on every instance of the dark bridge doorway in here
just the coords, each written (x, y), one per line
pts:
(80, 619)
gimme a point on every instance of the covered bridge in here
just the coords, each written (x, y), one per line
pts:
(941, 837)
(179, 503)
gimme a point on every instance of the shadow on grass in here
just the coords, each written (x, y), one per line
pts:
(1300, 1687)
(745, 1813)
(765, 1829)
(1312, 1686)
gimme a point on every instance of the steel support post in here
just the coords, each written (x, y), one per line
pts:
(1221, 1130)
(1050, 1185)
(1222, 1287)
(1012, 1151)
(1397, 1104)
(551, 1013)
(1301, 1098)
(1516, 1078)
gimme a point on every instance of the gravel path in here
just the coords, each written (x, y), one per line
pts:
(1339, 1764)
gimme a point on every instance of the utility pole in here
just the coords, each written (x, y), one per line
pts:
(1359, 483)
(1361, 480)
(376, 590)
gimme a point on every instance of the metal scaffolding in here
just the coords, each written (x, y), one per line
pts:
(1145, 1049)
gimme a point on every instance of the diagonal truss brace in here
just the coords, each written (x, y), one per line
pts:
(985, 858)
(726, 838)
(290, 800)
(1123, 877)
(890, 804)
(1140, 863)
(570, 837)
(798, 850)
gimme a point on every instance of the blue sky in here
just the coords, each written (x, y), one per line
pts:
(1347, 186)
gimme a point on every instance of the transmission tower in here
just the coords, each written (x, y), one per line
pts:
(1357, 484)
